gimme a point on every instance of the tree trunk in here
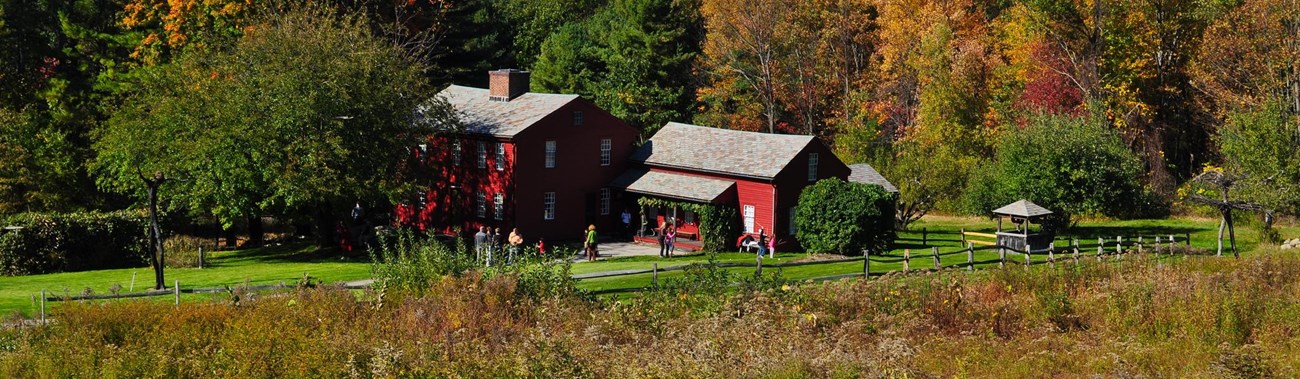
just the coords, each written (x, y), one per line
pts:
(1223, 222)
(1232, 236)
(325, 223)
(156, 255)
(255, 231)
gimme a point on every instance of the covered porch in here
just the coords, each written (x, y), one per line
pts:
(666, 192)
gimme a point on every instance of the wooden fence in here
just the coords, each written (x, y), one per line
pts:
(1074, 251)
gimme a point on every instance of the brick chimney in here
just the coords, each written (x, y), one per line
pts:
(506, 84)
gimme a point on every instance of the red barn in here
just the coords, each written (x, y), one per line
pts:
(540, 162)
(760, 174)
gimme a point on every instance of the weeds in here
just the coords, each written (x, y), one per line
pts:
(1194, 317)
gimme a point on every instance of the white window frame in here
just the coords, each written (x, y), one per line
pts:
(793, 229)
(548, 205)
(499, 206)
(480, 204)
(606, 146)
(812, 166)
(604, 201)
(550, 154)
(482, 154)
(456, 153)
(749, 218)
(501, 156)
(579, 118)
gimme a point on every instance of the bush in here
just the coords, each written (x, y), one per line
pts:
(57, 242)
(838, 216)
(1070, 165)
(183, 251)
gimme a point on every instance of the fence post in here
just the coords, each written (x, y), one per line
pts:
(963, 236)
(1051, 254)
(1028, 252)
(1156, 248)
(934, 251)
(1002, 257)
(970, 257)
(1100, 243)
(758, 269)
(42, 306)
(1119, 247)
(654, 274)
(866, 264)
(907, 260)
(1171, 244)
(201, 257)
(132, 289)
(1076, 252)
(1139, 245)
(1187, 237)
(177, 289)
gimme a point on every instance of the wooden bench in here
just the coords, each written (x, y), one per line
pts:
(688, 235)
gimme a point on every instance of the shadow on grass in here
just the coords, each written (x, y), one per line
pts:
(1094, 231)
(296, 252)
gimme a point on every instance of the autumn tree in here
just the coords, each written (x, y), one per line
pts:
(746, 45)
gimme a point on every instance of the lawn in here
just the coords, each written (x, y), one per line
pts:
(267, 265)
(288, 263)
(942, 232)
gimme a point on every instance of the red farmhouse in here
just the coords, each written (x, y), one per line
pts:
(539, 162)
(760, 174)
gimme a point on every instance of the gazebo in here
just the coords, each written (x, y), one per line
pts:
(1023, 213)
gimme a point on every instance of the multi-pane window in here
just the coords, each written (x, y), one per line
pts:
(749, 218)
(578, 118)
(499, 207)
(605, 146)
(793, 229)
(548, 206)
(455, 153)
(604, 201)
(482, 154)
(480, 204)
(812, 167)
(501, 156)
(550, 154)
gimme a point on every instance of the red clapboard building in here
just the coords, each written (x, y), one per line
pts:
(760, 174)
(540, 162)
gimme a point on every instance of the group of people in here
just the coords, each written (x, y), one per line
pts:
(667, 239)
(488, 242)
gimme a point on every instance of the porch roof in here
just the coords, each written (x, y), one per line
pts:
(673, 185)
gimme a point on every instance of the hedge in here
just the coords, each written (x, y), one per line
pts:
(40, 243)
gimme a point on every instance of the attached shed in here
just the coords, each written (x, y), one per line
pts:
(864, 173)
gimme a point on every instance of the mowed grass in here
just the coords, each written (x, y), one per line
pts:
(289, 263)
(942, 232)
(267, 265)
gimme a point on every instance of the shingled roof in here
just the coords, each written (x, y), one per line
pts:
(479, 115)
(672, 185)
(724, 151)
(864, 173)
(1022, 208)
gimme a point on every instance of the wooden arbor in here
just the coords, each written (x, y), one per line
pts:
(1023, 213)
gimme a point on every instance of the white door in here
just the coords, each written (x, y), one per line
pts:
(749, 219)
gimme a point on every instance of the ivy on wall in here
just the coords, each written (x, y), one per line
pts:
(719, 224)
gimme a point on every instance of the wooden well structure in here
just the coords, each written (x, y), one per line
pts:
(1023, 213)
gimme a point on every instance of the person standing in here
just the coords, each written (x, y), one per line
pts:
(771, 247)
(670, 239)
(762, 242)
(480, 243)
(357, 214)
(541, 247)
(516, 242)
(590, 243)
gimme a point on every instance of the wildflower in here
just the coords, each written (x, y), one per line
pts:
(785, 287)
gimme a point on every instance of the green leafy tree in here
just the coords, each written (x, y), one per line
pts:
(848, 218)
(1260, 146)
(1071, 165)
(633, 58)
(307, 112)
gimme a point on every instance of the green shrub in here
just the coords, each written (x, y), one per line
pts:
(408, 262)
(1070, 165)
(183, 251)
(838, 216)
(55, 242)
